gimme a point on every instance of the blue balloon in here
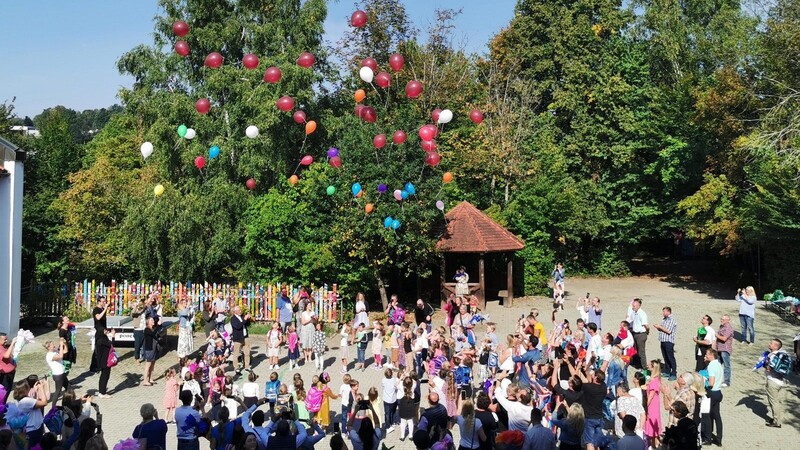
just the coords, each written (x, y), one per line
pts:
(387, 222)
(356, 188)
(410, 189)
(213, 152)
(404, 194)
(395, 224)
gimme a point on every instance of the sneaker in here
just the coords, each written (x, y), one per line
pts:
(773, 424)
(402, 438)
(390, 429)
(343, 370)
(724, 384)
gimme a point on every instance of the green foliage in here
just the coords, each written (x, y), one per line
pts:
(77, 313)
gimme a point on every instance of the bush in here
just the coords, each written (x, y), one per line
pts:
(77, 313)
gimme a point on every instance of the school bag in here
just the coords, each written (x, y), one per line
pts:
(781, 363)
(399, 315)
(314, 399)
(463, 376)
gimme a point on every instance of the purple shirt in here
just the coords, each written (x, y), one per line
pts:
(725, 331)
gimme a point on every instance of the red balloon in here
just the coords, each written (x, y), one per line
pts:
(399, 137)
(272, 75)
(428, 132)
(371, 63)
(307, 160)
(299, 116)
(358, 19)
(396, 62)
(250, 183)
(180, 28)
(476, 116)
(379, 140)
(369, 114)
(429, 146)
(359, 109)
(413, 89)
(202, 106)
(182, 48)
(435, 114)
(213, 60)
(432, 159)
(200, 162)
(285, 103)
(383, 80)
(305, 60)
(335, 162)
(250, 61)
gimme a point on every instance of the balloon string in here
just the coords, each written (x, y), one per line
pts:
(295, 170)
(440, 191)
(420, 173)
(304, 144)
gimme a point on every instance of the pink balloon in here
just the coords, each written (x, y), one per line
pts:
(272, 75)
(399, 137)
(398, 195)
(476, 116)
(200, 162)
(383, 80)
(358, 19)
(435, 114)
(202, 106)
(307, 160)
(182, 48)
(213, 60)
(180, 28)
(250, 183)
(306, 60)
(413, 89)
(396, 62)
(335, 162)
(359, 109)
(379, 140)
(429, 146)
(299, 116)
(428, 132)
(250, 61)
(371, 63)
(285, 103)
(432, 159)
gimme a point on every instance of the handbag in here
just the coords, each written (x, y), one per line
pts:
(705, 405)
(113, 358)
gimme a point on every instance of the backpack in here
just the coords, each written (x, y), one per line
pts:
(463, 376)
(314, 399)
(493, 360)
(399, 315)
(54, 421)
(781, 363)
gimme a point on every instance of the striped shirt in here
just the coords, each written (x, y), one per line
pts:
(668, 324)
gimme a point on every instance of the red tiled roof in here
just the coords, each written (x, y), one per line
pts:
(469, 230)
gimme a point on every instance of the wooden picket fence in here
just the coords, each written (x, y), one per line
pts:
(260, 301)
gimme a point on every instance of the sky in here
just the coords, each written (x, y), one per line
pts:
(64, 52)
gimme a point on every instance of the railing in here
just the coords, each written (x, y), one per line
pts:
(43, 300)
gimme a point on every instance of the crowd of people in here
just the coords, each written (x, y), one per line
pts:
(545, 385)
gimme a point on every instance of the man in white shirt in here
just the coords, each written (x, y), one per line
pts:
(519, 411)
(705, 339)
(640, 327)
(595, 343)
(775, 383)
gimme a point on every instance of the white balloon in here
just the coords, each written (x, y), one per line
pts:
(251, 131)
(366, 74)
(190, 133)
(147, 149)
(445, 116)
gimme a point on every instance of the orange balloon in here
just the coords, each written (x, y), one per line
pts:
(311, 127)
(293, 180)
(447, 177)
(360, 193)
(360, 95)
(369, 207)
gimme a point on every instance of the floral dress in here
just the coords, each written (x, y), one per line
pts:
(319, 342)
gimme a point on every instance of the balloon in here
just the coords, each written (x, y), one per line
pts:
(358, 19)
(396, 62)
(445, 117)
(202, 106)
(369, 114)
(429, 146)
(409, 187)
(272, 75)
(368, 208)
(435, 114)
(285, 103)
(182, 130)
(158, 190)
(382, 188)
(146, 149)
(395, 224)
(359, 95)
(251, 132)
(305, 59)
(250, 183)
(366, 74)
(311, 127)
(428, 132)
(413, 89)
(299, 116)
(307, 160)
(331, 190)
(370, 62)
(213, 60)
(383, 80)
(358, 110)
(190, 133)
(440, 205)
(476, 116)
(404, 194)
(379, 140)
(180, 28)
(387, 222)
(399, 137)
(213, 152)
(200, 162)
(333, 152)
(447, 177)
(335, 162)
(293, 180)
(356, 188)
(398, 195)
(432, 159)
(182, 48)
(250, 61)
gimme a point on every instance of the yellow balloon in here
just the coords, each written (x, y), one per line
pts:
(158, 190)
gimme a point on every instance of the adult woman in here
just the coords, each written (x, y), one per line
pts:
(464, 318)
(361, 311)
(571, 426)
(150, 350)
(209, 317)
(451, 308)
(652, 427)
(307, 322)
(65, 334)
(684, 394)
(506, 353)
(682, 435)
(462, 282)
(627, 404)
(152, 432)
(103, 349)
(471, 428)
(614, 368)
(487, 418)
(250, 442)
(55, 361)
(747, 312)
(364, 433)
(31, 400)
(185, 338)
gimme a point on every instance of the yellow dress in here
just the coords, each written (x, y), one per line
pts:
(324, 415)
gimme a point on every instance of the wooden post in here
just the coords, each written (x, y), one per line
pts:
(510, 282)
(481, 284)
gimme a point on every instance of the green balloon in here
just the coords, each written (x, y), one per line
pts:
(331, 190)
(182, 130)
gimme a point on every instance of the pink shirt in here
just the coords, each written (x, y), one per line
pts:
(292, 340)
(727, 331)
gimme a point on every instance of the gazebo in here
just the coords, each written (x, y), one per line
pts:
(470, 233)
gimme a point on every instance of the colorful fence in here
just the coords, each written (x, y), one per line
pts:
(260, 301)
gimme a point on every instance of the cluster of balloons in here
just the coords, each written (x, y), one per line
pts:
(390, 222)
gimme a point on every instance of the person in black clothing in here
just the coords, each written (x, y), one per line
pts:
(209, 317)
(65, 334)
(488, 423)
(423, 313)
(102, 345)
(436, 414)
(239, 337)
(682, 435)
(150, 350)
(593, 392)
(99, 314)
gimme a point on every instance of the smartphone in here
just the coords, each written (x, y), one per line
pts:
(337, 427)
(587, 295)
(463, 395)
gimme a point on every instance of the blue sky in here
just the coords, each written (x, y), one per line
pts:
(64, 52)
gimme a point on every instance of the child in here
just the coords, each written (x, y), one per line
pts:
(274, 341)
(301, 412)
(319, 346)
(483, 360)
(229, 401)
(377, 341)
(186, 367)
(389, 387)
(374, 399)
(292, 341)
(491, 327)
(314, 397)
(283, 401)
(295, 378)
(344, 347)
(191, 385)
(271, 389)
(345, 393)
(250, 390)
(407, 413)
(170, 394)
(463, 376)
(235, 390)
(361, 347)
(473, 305)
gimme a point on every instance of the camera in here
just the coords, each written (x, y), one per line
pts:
(363, 404)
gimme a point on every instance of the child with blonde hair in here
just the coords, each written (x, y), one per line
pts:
(170, 394)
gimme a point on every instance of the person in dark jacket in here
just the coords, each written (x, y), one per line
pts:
(682, 435)
(150, 350)
(239, 324)
(102, 344)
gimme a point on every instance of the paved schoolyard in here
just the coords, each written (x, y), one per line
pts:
(744, 406)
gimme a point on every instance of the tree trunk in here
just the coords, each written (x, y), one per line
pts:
(382, 290)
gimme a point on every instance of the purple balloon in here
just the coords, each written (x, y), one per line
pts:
(382, 188)
(440, 205)
(333, 152)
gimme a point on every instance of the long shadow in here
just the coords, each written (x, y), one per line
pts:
(702, 276)
(754, 401)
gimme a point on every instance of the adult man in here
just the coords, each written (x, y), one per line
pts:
(594, 391)
(581, 324)
(139, 323)
(285, 311)
(596, 313)
(519, 410)
(630, 441)
(436, 413)
(284, 438)
(423, 313)
(666, 338)
(532, 354)
(7, 366)
(640, 328)
(595, 347)
(186, 427)
(706, 337)
(258, 428)
(390, 310)
(99, 318)
(724, 346)
(775, 382)
(538, 437)
(713, 418)
(239, 337)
